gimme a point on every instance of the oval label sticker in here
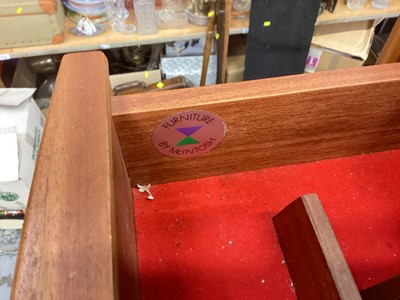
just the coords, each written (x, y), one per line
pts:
(189, 133)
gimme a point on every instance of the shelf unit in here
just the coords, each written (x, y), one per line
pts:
(110, 39)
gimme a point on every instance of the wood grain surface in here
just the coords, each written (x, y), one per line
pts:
(70, 246)
(124, 233)
(316, 263)
(271, 122)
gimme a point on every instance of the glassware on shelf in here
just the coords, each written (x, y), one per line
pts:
(116, 15)
(197, 11)
(241, 5)
(172, 14)
(145, 13)
(380, 4)
(356, 4)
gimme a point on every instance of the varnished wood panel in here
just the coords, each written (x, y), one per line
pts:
(270, 122)
(124, 234)
(70, 246)
(316, 263)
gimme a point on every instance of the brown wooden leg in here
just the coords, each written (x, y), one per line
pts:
(316, 263)
(208, 43)
(224, 9)
(391, 51)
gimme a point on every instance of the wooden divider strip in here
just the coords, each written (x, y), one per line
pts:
(316, 263)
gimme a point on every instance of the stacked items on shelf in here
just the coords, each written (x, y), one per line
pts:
(89, 13)
(360, 4)
(94, 9)
(150, 16)
(21, 129)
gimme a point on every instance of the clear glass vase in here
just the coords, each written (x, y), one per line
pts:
(116, 14)
(145, 12)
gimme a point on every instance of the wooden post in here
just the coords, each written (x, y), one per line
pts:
(391, 50)
(224, 8)
(208, 42)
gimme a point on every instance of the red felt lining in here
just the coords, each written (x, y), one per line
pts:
(213, 238)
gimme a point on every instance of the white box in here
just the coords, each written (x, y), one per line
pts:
(21, 123)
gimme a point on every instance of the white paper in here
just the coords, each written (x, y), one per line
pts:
(14, 97)
(8, 154)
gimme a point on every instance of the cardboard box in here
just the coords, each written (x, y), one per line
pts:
(25, 23)
(235, 68)
(21, 129)
(236, 58)
(340, 46)
(324, 60)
